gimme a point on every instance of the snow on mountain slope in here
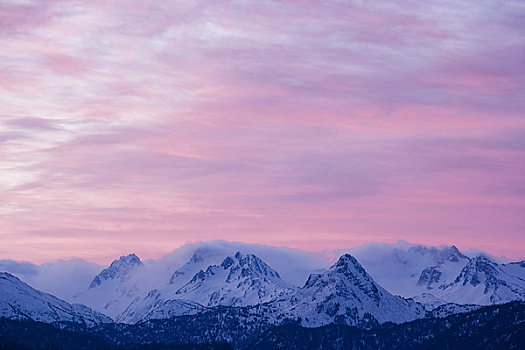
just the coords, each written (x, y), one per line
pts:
(20, 301)
(155, 306)
(516, 269)
(438, 276)
(128, 280)
(115, 287)
(346, 293)
(119, 269)
(239, 280)
(161, 299)
(114, 295)
(429, 274)
(448, 262)
(409, 270)
(483, 282)
(194, 278)
(201, 259)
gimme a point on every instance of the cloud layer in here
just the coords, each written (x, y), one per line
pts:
(142, 125)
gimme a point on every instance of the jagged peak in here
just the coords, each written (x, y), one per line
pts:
(451, 254)
(453, 250)
(118, 269)
(239, 279)
(345, 259)
(349, 267)
(347, 263)
(234, 261)
(255, 264)
(237, 258)
(239, 263)
(241, 259)
(440, 254)
(130, 259)
(481, 261)
(470, 274)
(346, 273)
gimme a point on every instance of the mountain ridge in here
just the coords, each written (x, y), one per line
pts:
(436, 277)
(18, 300)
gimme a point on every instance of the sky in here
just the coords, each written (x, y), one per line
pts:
(143, 125)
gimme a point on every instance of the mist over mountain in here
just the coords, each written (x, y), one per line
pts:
(236, 296)
(439, 275)
(63, 278)
(404, 269)
(293, 265)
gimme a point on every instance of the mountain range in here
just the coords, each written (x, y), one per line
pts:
(376, 284)
(439, 275)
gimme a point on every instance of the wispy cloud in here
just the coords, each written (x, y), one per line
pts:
(144, 123)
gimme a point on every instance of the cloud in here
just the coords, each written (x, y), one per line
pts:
(314, 125)
(293, 265)
(67, 278)
(62, 278)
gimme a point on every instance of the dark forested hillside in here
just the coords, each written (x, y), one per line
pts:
(30, 335)
(491, 327)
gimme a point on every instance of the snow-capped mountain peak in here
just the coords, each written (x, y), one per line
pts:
(345, 274)
(451, 254)
(248, 265)
(346, 292)
(118, 269)
(349, 267)
(201, 259)
(440, 275)
(483, 281)
(479, 265)
(116, 286)
(238, 281)
(130, 291)
(20, 301)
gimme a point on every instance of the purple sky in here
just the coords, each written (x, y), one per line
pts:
(140, 125)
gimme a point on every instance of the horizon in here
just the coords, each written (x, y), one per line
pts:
(141, 126)
(329, 256)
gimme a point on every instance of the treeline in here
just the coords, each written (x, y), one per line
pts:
(491, 327)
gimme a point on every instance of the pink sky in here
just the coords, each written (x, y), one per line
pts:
(141, 125)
